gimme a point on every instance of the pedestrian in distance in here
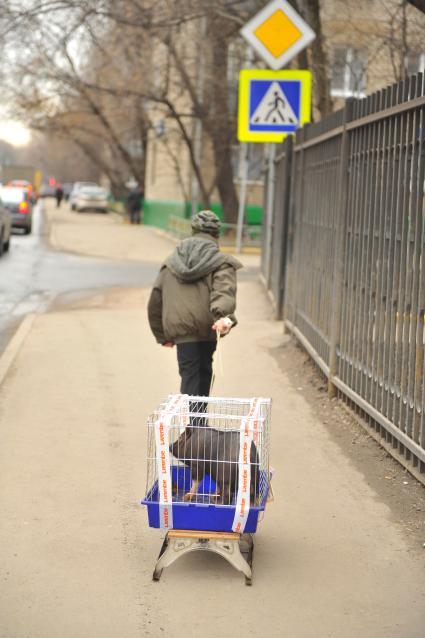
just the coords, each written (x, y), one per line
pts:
(192, 300)
(135, 201)
(58, 195)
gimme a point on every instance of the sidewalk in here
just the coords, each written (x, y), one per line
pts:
(110, 236)
(77, 554)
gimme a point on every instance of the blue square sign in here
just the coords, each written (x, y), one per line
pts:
(272, 104)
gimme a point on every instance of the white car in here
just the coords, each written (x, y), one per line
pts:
(91, 198)
(76, 189)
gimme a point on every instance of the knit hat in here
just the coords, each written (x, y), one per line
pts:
(206, 222)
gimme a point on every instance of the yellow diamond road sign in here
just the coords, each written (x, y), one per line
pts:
(278, 33)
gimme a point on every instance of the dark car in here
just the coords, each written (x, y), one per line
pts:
(17, 201)
(5, 228)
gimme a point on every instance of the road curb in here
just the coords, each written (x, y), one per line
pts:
(55, 244)
(51, 235)
(15, 344)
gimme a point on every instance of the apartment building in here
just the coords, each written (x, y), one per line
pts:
(368, 45)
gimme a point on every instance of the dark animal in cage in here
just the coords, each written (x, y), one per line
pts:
(208, 451)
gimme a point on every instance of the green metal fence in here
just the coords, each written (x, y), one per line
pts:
(251, 234)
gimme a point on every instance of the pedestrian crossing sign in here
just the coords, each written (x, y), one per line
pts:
(272, 104)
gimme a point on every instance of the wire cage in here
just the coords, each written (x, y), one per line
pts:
(208, 463)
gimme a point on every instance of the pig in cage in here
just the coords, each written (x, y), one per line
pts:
(208, 463)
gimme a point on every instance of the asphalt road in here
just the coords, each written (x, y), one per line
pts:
(32, 276)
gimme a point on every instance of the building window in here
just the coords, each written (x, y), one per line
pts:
(414, 63)
(348, 72)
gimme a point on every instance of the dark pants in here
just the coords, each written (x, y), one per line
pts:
(135, 216)
(195, 366)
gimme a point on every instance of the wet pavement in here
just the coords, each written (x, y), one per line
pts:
(33, 276)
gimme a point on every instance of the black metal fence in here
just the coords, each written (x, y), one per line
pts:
(345, 263)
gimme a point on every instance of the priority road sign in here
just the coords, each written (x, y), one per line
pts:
(272, 104)
(277, 33)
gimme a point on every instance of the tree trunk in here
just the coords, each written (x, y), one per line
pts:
(419, 4)
(319, 59)
(219, 124)
(224, 179)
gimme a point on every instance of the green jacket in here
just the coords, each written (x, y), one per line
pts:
(195, 286)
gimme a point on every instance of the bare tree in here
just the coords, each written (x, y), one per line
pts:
(48, 88)
(103, 72)
(57, 156)
(152, 24)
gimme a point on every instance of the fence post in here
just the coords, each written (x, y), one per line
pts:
(270, 212)
(339, 258)
(285, 225)
(290, 251)
(300, 138)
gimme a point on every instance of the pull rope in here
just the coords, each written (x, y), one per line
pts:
(218, 361)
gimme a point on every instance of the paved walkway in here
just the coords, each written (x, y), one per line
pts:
(77, 554)
(110, 236)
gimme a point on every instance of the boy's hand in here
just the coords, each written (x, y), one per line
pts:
(168, 344)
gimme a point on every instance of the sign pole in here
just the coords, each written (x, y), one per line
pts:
(272, 103)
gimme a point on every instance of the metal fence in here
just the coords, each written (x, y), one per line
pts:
(346, 266)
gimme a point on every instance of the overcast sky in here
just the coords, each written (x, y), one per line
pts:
(14, 132)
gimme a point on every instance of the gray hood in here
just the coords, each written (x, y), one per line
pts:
(196, 257)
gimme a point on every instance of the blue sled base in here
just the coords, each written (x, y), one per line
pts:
(199, 514)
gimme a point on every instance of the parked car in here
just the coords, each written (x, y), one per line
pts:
(91, 198)
(5, 228)
(25, 184)
(18, 202)
(76, 189)
(22, 183)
